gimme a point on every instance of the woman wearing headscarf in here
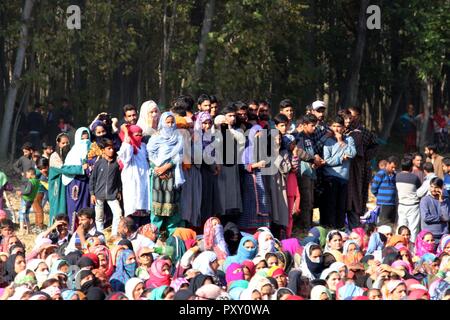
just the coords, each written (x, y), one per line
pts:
(320, 233)
(165, 151)
(266, 243)
(334, 241)
(149, 116)
(198, 281)
(207, 264)
(208, 292)
(104, 259)
(98, 132)
(359, 236)
(58, 168)
(312, 261)
(209, 170)
(69, 295)
(162, 293)
(77, 186)
(444, 245)
(213, 238)
(352, 253)
(134, 288)
(135, 172)
(14, 265)
(376, 243)
(159, 273)
(246, 251)
(320, 292)
(425, 243)
(255, 194)
(125, 270)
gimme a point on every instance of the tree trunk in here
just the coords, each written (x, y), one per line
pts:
(351, 93)
(15, 83)
(168, 35)
(206, 28)
(426, 95)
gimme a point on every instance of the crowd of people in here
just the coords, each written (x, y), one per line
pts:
(216, 203)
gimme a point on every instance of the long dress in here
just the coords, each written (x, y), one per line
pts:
(255, 193)
(135, 178)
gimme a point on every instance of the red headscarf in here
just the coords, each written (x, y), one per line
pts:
(94, 259)
(361, 233)
(134, 141)
(157, 277)
(250, 265)
(103, 250)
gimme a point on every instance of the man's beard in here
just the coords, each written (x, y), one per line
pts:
(252, 117)
(264, 117)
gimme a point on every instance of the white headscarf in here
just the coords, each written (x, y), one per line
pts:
(130, 286)
(202, 263)
(144, 118)
(317, 291)
(78, 153)
(265, 246)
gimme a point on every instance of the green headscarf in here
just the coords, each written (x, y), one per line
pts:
(3, 179)
(157, 293)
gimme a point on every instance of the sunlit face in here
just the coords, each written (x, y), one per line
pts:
(336, 242)
(85, 222)
(42, 267)
(324, 296)
(355, 237)
(26, 152)
(64, 268)
(333, 280)
(153, 113)
(272, 261)
(131, 116)
(399, 292)
(342, 272)
(84, 136)
(137, 292)
(288, 112)
(7, 231)
(170, 121)
(406, 234)
(391, 167)
(256, 295)
(247, 274)
(428, 238)
(166, 269)
(417, 161)
(100, 131)
(19, 264)
(435, 191)
(146, 259)
(102, 261)
(214, 265)
(282, 127)
(261, 265)
(315, 255)
(266, 292)
(447, 248)
(351, 248)
(375, 295)
(253, 109)
(205, 106)
(249, 245)
(131, 259)
(281, 280)
(109, 151)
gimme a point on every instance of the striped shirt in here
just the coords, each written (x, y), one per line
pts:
(384, 189)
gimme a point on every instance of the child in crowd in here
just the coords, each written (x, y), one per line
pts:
(28, 193)
(25, 162)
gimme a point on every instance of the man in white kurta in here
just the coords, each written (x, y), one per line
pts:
(135, 178)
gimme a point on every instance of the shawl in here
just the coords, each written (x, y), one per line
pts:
(77, 154)
(157, 293)
(202, 263)
(184, 234)
(157, 276)
(445, 240)
(423, 247)
(167, 145)
(148, 123)
(214, 238)
(130, 286)
(177, 283)
(242, 253)
(234, 273)
(103, 250)
(309, 268)
(123, 272)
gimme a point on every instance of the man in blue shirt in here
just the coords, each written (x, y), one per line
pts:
(384, 189)
(337, 152)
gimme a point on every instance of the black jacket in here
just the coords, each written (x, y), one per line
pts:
(105, 181)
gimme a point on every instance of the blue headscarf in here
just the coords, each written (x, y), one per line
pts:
(242, 253)
(56, 265)
(167, 145)
(157, 293)
(248, 157)
(68, 294)
(124, 272)
(375, 243)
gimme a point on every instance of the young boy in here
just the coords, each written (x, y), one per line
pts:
(42, 195)
(286, 108)
(25, 162)
(384, 189)
(337, 152)
(105, 185)
(28, 193)
(286, 163)
(47, 150)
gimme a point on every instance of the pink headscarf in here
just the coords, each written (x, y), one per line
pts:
(402, 263)
(423, 247)
(212, 238)
(178, 282)
(292, 246)
(361, 233)
(417, 294)
(157, 277)
(234, 272)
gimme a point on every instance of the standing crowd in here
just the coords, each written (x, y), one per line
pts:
(211, 203)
